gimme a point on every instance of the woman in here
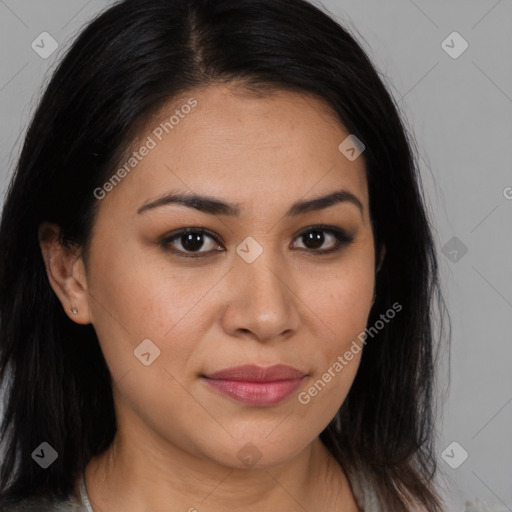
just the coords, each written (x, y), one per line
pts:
(218, 279)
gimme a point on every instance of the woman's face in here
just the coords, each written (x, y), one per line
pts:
(253, 288)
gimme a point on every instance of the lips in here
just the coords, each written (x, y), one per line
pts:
(255, 385)
(255, 373)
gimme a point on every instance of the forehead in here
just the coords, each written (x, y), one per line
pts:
(227, 143)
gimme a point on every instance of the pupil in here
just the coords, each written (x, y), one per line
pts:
(192, 241)
(314, 238)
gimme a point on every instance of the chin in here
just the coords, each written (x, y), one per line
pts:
(259, 452)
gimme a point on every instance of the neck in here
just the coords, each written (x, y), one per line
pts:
(133, 476)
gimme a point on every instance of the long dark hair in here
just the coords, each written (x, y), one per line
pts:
(121, 69)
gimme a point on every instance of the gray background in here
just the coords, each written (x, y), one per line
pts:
(460, 111)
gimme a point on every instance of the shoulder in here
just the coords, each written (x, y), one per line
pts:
(46, 504)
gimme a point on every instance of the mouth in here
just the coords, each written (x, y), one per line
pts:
(254, 385)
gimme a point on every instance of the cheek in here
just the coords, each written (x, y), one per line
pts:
(135, 297)
(129, 289)
(344, 297)
(343, 302)
(346, 306)
(320, 399)
(343, 307)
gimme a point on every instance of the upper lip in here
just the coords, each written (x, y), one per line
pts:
(254, 373)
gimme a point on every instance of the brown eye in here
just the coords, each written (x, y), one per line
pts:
(191, 240)
(315, 237)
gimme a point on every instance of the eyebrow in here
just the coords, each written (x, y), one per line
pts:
(215, 206)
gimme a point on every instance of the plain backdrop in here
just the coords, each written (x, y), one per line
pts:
(459, 108)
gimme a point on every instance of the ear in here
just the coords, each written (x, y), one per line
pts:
(66, 273)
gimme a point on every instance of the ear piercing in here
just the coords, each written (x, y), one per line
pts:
(73, 310)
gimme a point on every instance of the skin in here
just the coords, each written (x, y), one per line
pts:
(178, 440)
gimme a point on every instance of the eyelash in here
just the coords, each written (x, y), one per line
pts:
(341, 236)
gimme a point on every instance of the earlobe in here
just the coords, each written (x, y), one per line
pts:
(65, 272)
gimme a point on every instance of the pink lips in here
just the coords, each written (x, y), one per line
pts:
(254, 385)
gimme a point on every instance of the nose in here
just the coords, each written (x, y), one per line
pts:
(263, 301)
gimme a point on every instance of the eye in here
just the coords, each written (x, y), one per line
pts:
(315, 237)
(188, 241)
(191, 240)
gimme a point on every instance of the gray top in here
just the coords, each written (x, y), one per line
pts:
(84, 497)
(365, 496)
(364, 493)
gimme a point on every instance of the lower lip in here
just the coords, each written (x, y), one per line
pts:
(256, 393)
